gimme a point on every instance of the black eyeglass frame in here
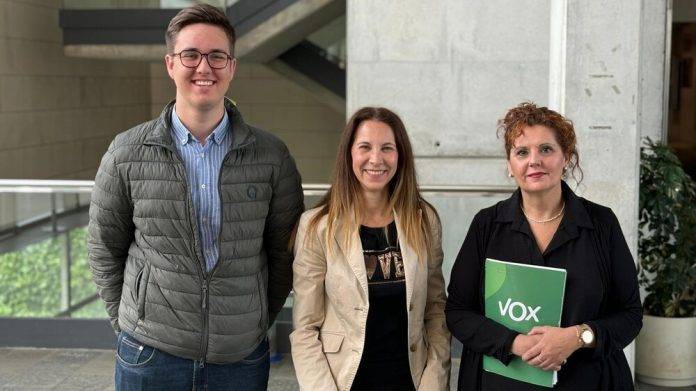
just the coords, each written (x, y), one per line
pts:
(201, 58)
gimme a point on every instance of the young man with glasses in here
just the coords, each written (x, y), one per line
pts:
(190, 221)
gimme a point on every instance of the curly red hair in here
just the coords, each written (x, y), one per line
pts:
(529, 114)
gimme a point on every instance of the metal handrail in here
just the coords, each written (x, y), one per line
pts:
(310, 189)
(45, 186)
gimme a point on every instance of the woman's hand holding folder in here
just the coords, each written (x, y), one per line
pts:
(553, 348)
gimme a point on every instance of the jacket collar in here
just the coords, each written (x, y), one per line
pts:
(352, 251)
(161, 133)
(575, 216)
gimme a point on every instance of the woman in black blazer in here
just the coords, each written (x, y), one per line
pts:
(544, 223)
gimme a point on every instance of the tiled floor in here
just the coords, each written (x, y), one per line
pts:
(77, 369)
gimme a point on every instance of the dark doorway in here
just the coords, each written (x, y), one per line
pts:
(682, 97)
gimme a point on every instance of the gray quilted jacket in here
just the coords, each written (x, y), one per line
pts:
(144, 247)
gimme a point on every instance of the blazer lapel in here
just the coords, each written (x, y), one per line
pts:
(353, 253)
(410, 260)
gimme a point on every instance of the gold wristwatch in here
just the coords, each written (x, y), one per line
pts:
(585, 335)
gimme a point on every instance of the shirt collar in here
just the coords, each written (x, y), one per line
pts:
(183, 135)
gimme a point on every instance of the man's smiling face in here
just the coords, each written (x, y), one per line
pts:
(201, 88)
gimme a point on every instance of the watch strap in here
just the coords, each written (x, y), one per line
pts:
(578, 332)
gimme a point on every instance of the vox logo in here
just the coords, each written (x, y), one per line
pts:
(518, 311)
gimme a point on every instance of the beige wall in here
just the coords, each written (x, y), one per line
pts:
(269, 101)
(58, 114)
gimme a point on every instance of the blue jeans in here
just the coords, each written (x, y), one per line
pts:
(142, 367)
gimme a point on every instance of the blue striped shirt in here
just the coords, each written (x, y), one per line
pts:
(203, 165)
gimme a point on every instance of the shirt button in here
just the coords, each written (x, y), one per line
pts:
(413, 347)
(203, 187)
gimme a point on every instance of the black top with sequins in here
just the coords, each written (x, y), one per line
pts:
(384, 363)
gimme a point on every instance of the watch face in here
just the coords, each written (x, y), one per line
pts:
(587, 337)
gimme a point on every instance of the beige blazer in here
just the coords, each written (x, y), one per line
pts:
(331, 305)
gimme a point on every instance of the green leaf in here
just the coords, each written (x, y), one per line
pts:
(667, 232)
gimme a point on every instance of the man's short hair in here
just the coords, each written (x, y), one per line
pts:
(199, 13)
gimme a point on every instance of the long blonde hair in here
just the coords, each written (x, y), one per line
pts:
(343, 201)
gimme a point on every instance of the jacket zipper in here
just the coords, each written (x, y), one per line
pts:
(204, 340)
(199, 258)
(201, 269)
(209, 276)
(202, 274)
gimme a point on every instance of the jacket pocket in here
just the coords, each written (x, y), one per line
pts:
(263, 301)
(330, 341)
(141, 281)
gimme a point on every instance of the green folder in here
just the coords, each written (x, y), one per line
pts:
(521, 296)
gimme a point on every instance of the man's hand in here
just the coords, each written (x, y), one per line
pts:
(555, 345)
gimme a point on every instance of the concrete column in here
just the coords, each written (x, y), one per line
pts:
(450, 69)
(655, 48)
(604, 98)
(557, 54)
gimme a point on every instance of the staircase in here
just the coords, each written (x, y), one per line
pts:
(303, 40)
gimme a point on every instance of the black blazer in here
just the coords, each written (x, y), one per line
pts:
(601, 291)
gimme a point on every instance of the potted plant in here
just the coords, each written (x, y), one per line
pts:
(666, 346)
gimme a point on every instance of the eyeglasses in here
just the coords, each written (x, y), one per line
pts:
(192, 58)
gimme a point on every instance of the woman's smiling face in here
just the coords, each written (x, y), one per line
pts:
(374, 156)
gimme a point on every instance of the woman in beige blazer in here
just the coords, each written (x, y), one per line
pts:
(369, 292)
